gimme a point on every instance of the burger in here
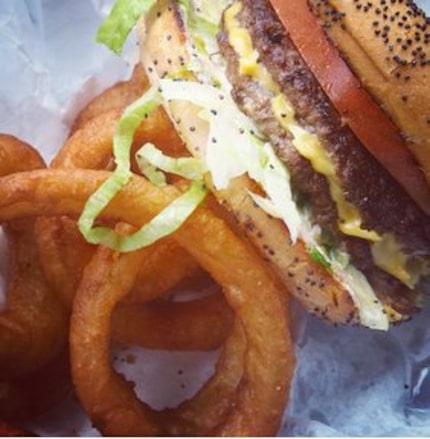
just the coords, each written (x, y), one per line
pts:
(312, 118)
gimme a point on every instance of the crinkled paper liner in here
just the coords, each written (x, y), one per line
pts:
(349, 381)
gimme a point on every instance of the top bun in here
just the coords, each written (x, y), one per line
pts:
(387, 45)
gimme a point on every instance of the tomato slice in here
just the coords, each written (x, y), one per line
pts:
(363, 115)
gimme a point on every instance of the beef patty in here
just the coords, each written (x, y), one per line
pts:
(382, 203)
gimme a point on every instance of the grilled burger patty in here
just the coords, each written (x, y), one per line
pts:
(382, 203)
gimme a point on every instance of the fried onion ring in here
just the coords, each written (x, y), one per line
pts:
(104, 278)
(256, 298)
(210, 406)
(199, 324)
(63, 255)
(118, 96)
(171, 265)
(63, 251)
(33, 327)
(194, 325)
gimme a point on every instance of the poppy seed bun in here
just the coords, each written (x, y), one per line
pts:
(306, 279)
(387, 44)
(366, 286)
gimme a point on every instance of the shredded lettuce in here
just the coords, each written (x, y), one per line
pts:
(214, 106)
(122, 141)
(116, 27)
(169, 219)
(163, 224)
(127, 125)
(96, 203)
(267, 205)
(196, 22)
(202, 20)
(371, 311)
(223, 156)
(203, 95)
(319, 258)
(211, 10)
(229, 152)
(276, 183)
(233, 148)
(149, 159)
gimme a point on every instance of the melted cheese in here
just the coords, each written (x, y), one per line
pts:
(387, 253)
(307, 144)
(389, 256)
(310, 147)
(240, 39)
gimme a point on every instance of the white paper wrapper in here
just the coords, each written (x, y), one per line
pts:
(349, 381)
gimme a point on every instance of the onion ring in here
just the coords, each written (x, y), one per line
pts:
(18, 156)
(103, 285)
(170, 264)
(118, 96)
(63, 255)
(33, 327)
(269, 363)
(99, 132)
(66, 253)
(199, 324)
(211, 405)
(63, 251)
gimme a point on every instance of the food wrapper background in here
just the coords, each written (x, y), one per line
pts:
(349, 381)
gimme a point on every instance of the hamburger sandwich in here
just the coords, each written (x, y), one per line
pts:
(313, 121)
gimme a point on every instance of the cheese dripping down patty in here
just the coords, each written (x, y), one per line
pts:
(386, 252)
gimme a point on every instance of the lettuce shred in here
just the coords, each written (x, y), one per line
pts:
(234, 149)
(163, 224)
(116, 27)
(196, 22)
(152, 161)
(167, 221)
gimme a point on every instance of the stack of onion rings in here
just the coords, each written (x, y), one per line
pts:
(127, 297)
